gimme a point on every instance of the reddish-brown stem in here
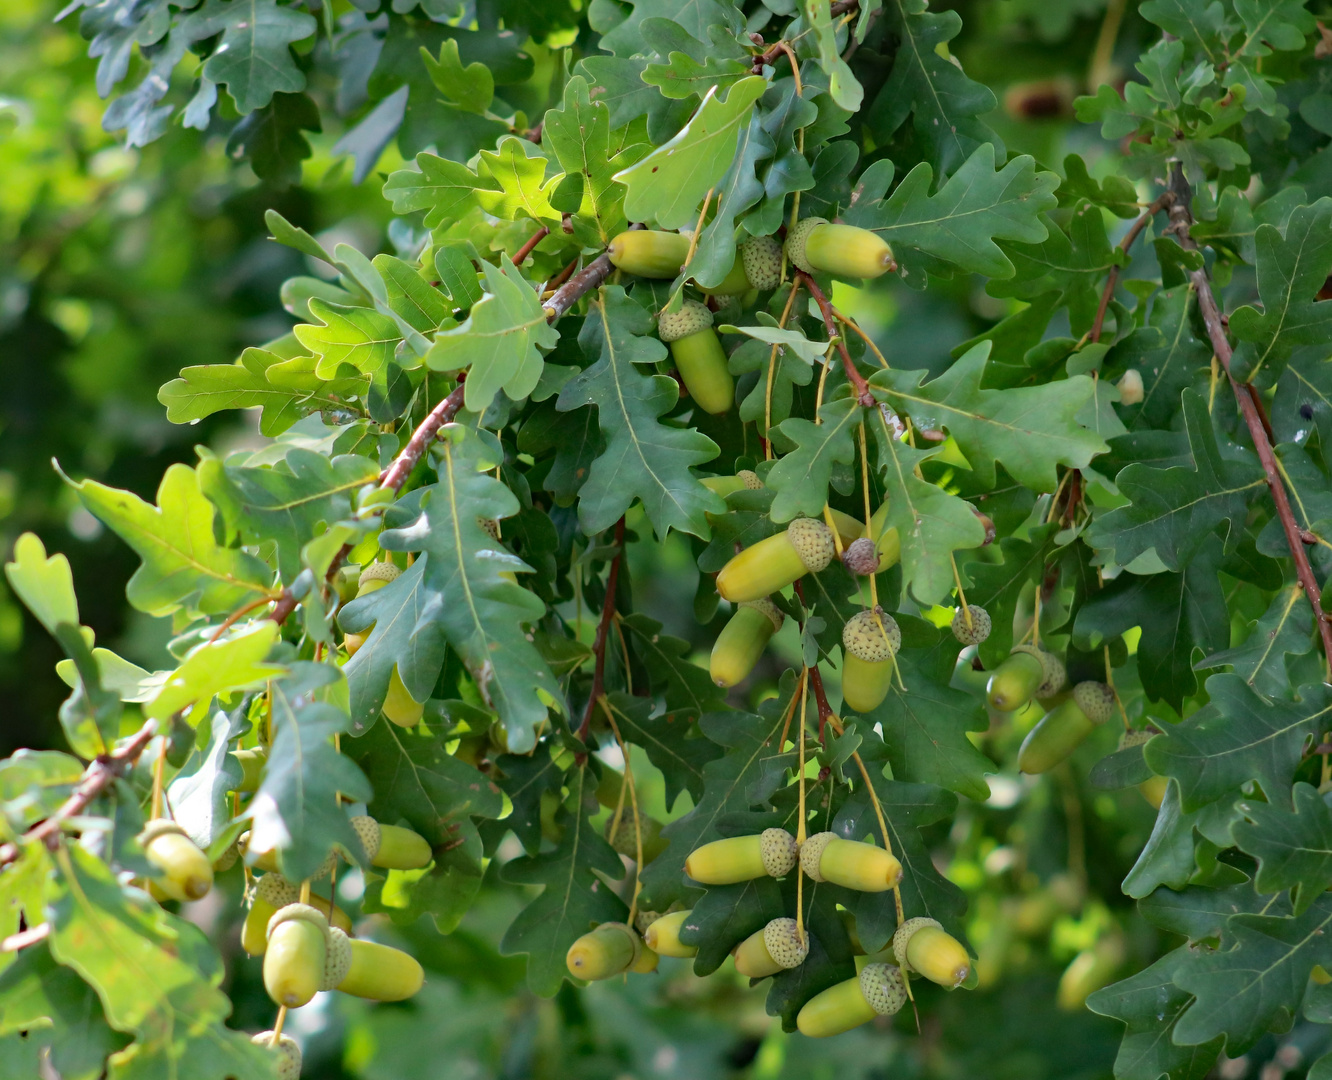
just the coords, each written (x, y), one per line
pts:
(237, 615)
(526, 250)
(563, 276)
(857, 380)
(603, 631)
(820, 698)
(100, 774)
(1161, 202)
(1181, 219)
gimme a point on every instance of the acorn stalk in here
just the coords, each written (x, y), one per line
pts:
(1064, 728)
(773, 563)
(649, 253)
(742, 641)
(844, 251)
(699, 356)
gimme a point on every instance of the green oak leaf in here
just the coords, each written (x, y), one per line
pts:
(520, 171)
(200, 794)
(425, 308)
(694, 17)
(235, 662)
(1171, 856)
(802, 475)
(1169, 355)
(842, 83)
(997, 587)
(471, 87)
(183, 565)
(643, 459)
(1200, 914)
(253, 59)
(1286, 628)
(524, 779)
(670, 740)
(1273, 24)
(1294, 850)
(682, 76)
(359, 337)
(444, 189)
(789, 371)
(726, 915)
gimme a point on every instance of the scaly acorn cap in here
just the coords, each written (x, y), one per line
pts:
(883, 987)
(768, 608)
(786, 943)
(369, 833)
(795, 241)
(1133, 738)
(811, 854)
(337, 959)
(979, 629)
(1055, 674)
(160, 827)
(303, 912)
(813, 542)
(690, 319)
(903, 936)
(861, 557)
(762, 260)
(1096, 700)
(644, 919)
(288, 1052)
(378, 571)
(275, 889)
(872, 636)
(750, 479)
(778, 849)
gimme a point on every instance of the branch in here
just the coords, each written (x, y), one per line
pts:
(1246, 397)
(1161, 202)
(526, 249)
(104, 770)
(857, 380)
(603, 631)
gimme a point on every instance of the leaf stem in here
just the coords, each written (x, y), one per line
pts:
(603, 631)
(526, 250)
(633, 799)
(1161, 202)
(857, 380)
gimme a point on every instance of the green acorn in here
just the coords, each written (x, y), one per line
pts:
(870, 640)
(841, 250)
(879, 990)
(648, 253)
(923, 947)
(977, 630)
(851, 864)
(699, 356)
(744, 480)
(1063, 729)
(184, 872)
(609, 950)
(1027, 673)
(662, 935)
(381, 973)
(773, 563)
(296, 956)
(779, 946)
(742, 641)
(772, 853)
(252, 767)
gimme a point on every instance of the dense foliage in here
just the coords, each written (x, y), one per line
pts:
(756, 330)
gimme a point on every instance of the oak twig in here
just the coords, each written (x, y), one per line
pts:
(526, 250)
(603, 630)
(1180, 220)
(1161, 202)
(857, 380)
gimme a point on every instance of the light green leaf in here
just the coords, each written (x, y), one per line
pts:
(802, 475)
(470, 88)
(519, 169)
(235, 662)
(45, 585)
(424, 307)
(842, 84)
(253, 59)
(444, 189)
(359, 337)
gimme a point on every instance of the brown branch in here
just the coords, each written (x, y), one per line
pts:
(526, 249)
(857, 380)
(820, 698)
(1161, 202)
(603, 631)
(1245, 396)
(104, 770)
(582, 283)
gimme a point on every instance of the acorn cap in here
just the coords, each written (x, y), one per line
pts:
(489, 526)
(302, 913)
(275, 889)
(369, 833)
(786, 943)
(378, 571)
(813, 542)
(1055, 675)
(644, 919)
(160, 827)
(861, 557)
(1096, 700)
(1133, 738)
(872, 636)
(769, 609)
(979, 629)
(795, 241)
(288, 1051)
(690, 319)
(762, 260)
(811, 854)
(750, 479)
(903, 935)
(883, 987)
(777, 847)
(337, 959)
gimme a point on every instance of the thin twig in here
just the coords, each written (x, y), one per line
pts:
(857, 380)
(603, 630)
(1161, 202)
(1181, 218)
(526, 250)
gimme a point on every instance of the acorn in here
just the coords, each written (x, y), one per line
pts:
(373, 577)
(805, 547)
(1130, 387)
(744, 480)
(851, 864)
(923, 947)
(779, 946)
(252, 767)
(975, 631)
(1089, 971)
(861, 557)
(392, 847)
(184, 872)
(699, 356)
(1063, 729)
(662, 936)
(625, 839)
(646, 963)
(381, 972)
(287, 1050)
(649, 253)
(610, 949)
(742, 641)
(1027, 672)
(841, 250)
(772, 852)
(879, 990)
(1153, 789)
(870, 640)
(273, 893)
(295, 959)
(761, 257)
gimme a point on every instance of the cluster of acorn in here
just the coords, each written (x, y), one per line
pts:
(920, 946)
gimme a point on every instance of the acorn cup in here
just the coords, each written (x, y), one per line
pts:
(775, 562)
(295, 959)
(852, 864)
(772, 853)
(761, 257)
(742, 641)
(870, 640)
(649, 253)
(879, 990)
(841, 250)
(1063, 729)
(973, 631)
(381, 972)
(287, 1051)
(273, 893)
(184, 872)
(779, 946)
(611, 949)
(922, 947)
(662, 936)
(699, 356)
(1028, 672)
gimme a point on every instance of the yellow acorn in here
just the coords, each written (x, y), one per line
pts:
(742, 641)
(649, 253)
(772, 853)
(773, 563)
(841, 250)
(646, 963)
(392, 847)
(878, 990)
(1063, 729)
(1028, 672)
(399, 705)
(295, 958)
(381, 972)
(1089, 971)
(252, 767)
(185, 872)
(852, 864)
(287, 1051)
(923, 947)
(870, 640)
(273, 893)
(373, 577)
(663, 936)
(698, 355)
(610, 949)
(779, 946)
